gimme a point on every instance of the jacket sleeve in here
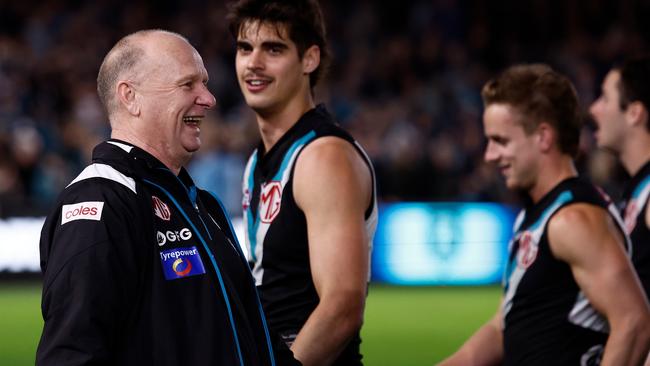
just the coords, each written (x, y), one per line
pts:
(89, 258)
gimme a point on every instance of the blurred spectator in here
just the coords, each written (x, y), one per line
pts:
(405, 81)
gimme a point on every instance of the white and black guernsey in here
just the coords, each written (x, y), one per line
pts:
(547, 319)
(276, 228)
(635, 205)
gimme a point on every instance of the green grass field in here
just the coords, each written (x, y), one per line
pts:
(20, 322)
(403, 325)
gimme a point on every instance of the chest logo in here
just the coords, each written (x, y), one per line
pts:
(181, 262)
(527, 252)
(172, 236)
(270, 200)
(161, 209)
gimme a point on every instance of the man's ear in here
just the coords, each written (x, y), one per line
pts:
(311, 59)
(126, 96)
(636, 114)
(546, 135)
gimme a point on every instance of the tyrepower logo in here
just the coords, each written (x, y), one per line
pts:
(181, 262)
(91, 210)
(270, 200)
(161, 209)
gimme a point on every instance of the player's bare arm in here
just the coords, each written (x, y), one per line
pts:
(333, 187)
(484, 348)
(586, 238)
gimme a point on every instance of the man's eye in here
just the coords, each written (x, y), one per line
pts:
(243, 48)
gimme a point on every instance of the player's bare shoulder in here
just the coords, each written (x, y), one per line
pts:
(579, 228)
(330, 150)
(332, 164)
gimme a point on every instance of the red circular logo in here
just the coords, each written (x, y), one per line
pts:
(527, 252)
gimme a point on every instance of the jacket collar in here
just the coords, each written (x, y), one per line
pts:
(137, 163)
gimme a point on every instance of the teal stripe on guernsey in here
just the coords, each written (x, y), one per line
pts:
(287, 157)
(641, 187)
(561, 199)
(252, 223)
(214, 265)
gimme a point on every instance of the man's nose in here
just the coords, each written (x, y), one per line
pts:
(205, 98)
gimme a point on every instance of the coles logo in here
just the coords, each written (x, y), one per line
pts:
(161, 209)
(91, 210)
(270, 201)
(172, 236)
(527, 252)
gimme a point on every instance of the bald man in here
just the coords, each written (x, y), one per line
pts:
(139, 266)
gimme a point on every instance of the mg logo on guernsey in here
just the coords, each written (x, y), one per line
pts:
(161, 209)
(270, 200)
(527, 252)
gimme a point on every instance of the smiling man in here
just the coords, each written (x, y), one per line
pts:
(139, 266)
(309, 199)
(570, 294)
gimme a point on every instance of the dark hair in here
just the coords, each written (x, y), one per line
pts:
(303, 19)
(539, 94)
(634, 84)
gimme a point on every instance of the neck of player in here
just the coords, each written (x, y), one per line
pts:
(551, 174)
(636, 152)
(275, 122)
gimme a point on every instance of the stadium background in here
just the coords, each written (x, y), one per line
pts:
(405, 81)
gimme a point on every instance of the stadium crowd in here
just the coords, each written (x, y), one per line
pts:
(405, 81)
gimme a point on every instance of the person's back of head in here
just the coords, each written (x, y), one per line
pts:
(539, 94)
(303, 20)
(119, 63)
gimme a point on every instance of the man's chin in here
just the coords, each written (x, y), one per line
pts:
(192, 147)
(515, 186)
(261, 107)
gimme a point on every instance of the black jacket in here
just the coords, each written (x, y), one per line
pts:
(142, 268)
